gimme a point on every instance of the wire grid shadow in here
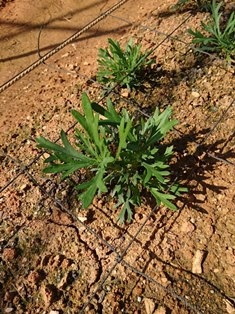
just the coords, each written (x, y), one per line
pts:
(120, 251)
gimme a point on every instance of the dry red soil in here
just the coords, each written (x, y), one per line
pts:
(180, 262)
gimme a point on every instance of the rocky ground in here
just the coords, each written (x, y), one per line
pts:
(52, 261)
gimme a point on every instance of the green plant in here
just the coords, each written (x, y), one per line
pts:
(120, 155)
(125, 67)
(219, 39)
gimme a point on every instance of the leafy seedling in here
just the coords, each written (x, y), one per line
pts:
(123, 67)
(219, 39)
(120, 155)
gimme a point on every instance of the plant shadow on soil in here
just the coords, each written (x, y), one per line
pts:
(187, 7)
(158, 89)
(94, 34)
(174, 10)
(168, 79)
(195, 166)
(194, 286)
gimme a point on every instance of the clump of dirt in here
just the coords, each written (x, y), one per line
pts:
(3, 3)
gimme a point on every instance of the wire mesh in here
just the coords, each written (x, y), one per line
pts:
(121, 252)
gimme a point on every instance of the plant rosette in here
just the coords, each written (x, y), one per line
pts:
(121, 156)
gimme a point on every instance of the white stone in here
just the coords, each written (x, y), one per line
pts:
(197, 262)
(195, 94)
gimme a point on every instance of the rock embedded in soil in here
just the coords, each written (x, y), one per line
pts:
(195, 94)
(197, 261)
(9, 310)
(187, 227)
(61, 217)
(164, 280)
(65, 281)
(125, 92)
(149, 305)
(160, 310)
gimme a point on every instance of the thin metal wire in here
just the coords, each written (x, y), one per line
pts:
(173, 293)
(190, 46)
(217, 123)
(144, 27)
(119, 256)
(61, 46)
(229, 163)
(120, 259)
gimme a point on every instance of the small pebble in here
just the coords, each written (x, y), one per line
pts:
(9, 309)
(160, 310)
(187, 227)
(149, 305)
(197, 262)
(65, 55)
(195, 94)
(23, 187)
(82, 219)
(125, 93)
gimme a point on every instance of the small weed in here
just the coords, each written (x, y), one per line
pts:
(124, 67)
(121, 156)
(220, 39)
